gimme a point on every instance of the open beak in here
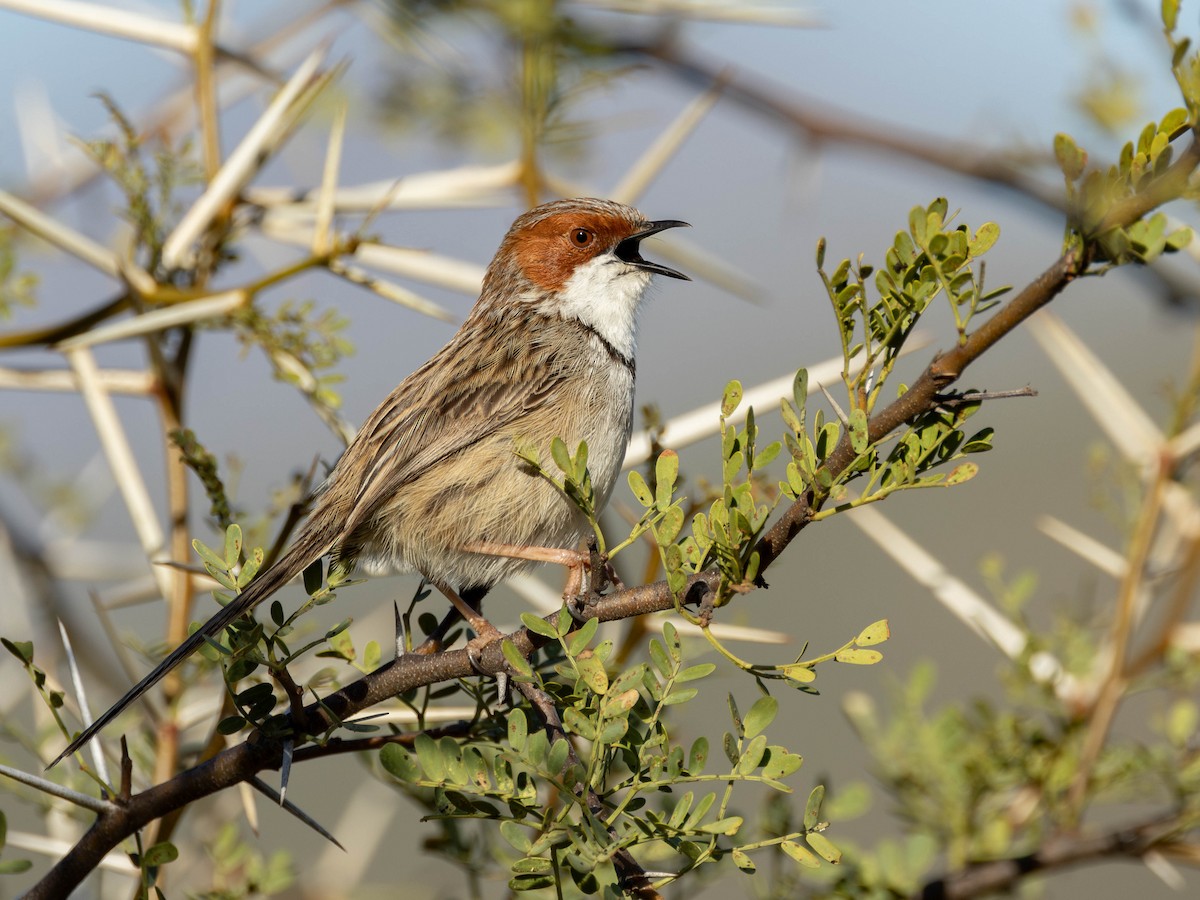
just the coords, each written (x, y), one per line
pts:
(627, 250)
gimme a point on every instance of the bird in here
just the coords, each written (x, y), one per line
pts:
(433, 482)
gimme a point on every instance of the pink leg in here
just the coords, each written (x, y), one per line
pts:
(574, 560)
(485, 631)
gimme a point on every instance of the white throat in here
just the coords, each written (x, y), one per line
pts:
(604, 294)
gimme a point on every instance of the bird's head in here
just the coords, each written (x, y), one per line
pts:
(579, 259)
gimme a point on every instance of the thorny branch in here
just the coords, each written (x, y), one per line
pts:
(995, 876)
(242, 762)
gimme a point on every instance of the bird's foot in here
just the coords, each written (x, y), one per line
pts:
(485, 631)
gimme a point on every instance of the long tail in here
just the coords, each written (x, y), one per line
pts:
(310, 546)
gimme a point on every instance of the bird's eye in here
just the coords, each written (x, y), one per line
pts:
(581, 237)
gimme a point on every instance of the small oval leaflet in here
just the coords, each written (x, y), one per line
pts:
(858, 657)
(875, 633)
(800, 854)
(824, 846)
(760, 716)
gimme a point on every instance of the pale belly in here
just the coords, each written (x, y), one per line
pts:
(487, 495)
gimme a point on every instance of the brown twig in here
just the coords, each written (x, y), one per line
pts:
(1112, 689)
(997, 876)
(411, 671)
(631, 877)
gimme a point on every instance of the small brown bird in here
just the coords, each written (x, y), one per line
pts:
(432, 482)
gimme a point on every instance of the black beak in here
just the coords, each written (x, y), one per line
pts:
(627, 250)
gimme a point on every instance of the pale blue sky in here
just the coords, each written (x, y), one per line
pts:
(988, 73)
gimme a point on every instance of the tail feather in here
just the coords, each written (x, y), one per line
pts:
(299, 556)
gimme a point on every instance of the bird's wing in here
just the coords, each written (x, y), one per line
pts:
(487, 377)
(481, 382)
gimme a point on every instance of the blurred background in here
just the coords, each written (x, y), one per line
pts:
(907, 100)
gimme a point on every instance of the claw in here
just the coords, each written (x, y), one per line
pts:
(475, 648)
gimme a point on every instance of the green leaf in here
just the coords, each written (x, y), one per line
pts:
(700, 811)
(1178, 239)
(207, 555)
(223, 578)
(918, 223)
(313, 576)
(578, 641)
(800, 393)
(640, 489)
(518, 663)
(859, 440)
(962, 473)
(985, 238)
(400, 763)
(698, 756)
(231, 725)
(729, 745)
(767, 455)
(1174, 123)
(627, 679)
(691, 673)
(742, 860)
(812, 809)
(800, 854)
(518, 730)
(666, 473)
(619, 703)
(591, 670)
(537, 882)
(1170, 14)
(671, 524)
(731, 398)
(980, 441)
(15, 866)
(679, 695)
(875, 633)
(516, 835)
(538, 625)
(658, 655)
(22, 650)
(858, 657)
(371, 656)
(671, 638)
(560, 454)
(1070, 158)
(429, 754)
(233, 545)
(781, 763)
(761, 715)
(798, 672)
(160, 854)
(532, 865)
(250, 567)
(581, 457)
(736, 716)
(342, 645)
(824, 846)
(557, 758)
(752, 755)
(680, 811)
(613, 731)
(728, 826)
(577, 722)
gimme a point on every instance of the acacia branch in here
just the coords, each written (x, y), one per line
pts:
(1064, 850)
(412, 671)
